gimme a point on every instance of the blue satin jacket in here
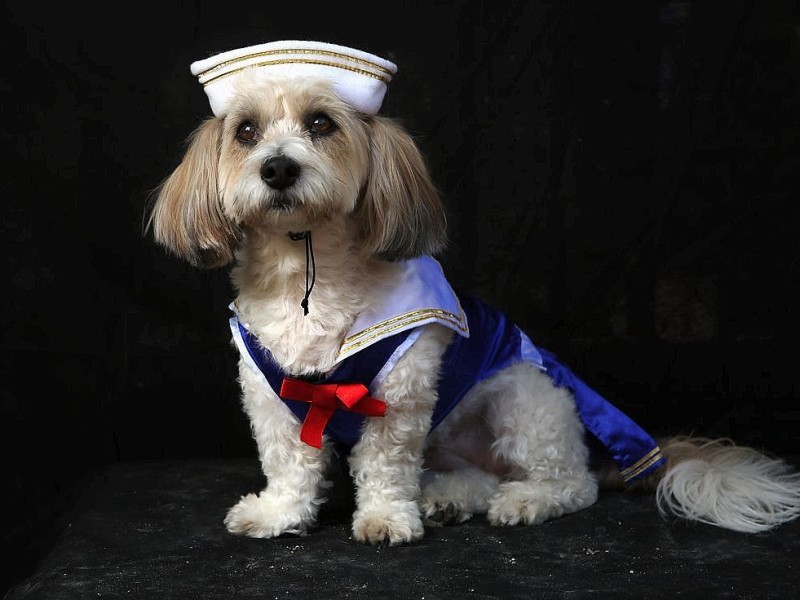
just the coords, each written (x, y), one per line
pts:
(494, 343)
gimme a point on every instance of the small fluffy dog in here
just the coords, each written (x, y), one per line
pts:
(331, 217)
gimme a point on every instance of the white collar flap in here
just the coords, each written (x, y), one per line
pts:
(420, 295)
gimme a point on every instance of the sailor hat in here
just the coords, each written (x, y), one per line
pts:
(358, 77)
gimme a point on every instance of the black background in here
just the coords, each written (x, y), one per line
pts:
(620, 177)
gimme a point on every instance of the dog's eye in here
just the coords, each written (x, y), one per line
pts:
(321, 124)
(247, 133)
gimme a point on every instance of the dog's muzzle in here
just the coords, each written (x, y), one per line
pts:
(279, 172)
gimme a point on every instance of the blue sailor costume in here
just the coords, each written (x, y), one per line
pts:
(486, 342)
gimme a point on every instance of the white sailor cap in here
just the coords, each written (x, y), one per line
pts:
(358, 77)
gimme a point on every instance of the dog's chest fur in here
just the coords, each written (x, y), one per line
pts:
(269, 293)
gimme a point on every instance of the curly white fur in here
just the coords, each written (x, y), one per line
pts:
(720, 483)
(290, 156)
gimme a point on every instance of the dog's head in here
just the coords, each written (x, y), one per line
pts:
(288, 156)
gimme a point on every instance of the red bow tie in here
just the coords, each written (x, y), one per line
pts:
(325, 399)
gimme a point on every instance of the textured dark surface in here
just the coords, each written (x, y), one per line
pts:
(154, 530)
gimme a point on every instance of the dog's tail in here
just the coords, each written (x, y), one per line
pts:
(718, 482)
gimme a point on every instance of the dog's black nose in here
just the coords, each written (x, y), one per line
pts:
(279, 172)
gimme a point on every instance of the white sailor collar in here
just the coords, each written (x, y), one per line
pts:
(420, 295)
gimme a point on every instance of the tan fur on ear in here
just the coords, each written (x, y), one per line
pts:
(401, 214)
(187, 216)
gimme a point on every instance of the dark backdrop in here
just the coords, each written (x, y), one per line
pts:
(620, 177)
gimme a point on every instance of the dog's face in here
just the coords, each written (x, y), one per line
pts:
(292, 154)
(289, 156)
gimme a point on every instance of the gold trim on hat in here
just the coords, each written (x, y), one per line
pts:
(642, 464)
(383, 74)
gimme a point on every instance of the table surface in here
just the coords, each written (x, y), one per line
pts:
(154, 530)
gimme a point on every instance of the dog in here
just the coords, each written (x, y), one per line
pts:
(352, 343)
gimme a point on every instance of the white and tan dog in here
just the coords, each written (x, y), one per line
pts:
(295, 152)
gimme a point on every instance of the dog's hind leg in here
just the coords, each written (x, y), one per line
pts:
(455, 496)
(540, 438)
(460, 473)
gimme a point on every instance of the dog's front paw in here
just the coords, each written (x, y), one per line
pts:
(264, 516)
(388, 527)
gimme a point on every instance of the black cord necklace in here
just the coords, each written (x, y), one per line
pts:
(311, 265)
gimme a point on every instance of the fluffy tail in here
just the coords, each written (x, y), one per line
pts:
(718, 482)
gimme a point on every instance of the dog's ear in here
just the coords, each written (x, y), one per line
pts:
(401, 214)
(187, 215)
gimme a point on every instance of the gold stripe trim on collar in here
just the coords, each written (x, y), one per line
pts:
(411, 315)
(642, 464)
(369, 334)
